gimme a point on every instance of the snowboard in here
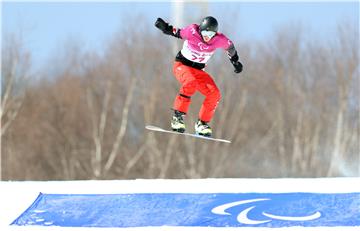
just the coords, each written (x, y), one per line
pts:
(157, 129)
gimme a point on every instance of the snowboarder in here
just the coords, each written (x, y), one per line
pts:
(200, 43)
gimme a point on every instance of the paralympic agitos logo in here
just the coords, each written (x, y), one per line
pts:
(243, 216)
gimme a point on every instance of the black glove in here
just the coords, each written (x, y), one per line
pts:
(235, 62)
(164, 26)
(238, 66)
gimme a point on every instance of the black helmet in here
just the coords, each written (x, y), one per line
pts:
(209, 23)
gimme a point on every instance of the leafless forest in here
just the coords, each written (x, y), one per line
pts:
(293, 112)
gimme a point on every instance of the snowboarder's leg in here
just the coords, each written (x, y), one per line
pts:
(185, 75)
(208, 88)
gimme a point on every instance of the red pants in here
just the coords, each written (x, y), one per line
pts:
(193, 80)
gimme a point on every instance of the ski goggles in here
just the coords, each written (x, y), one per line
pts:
(208, 33)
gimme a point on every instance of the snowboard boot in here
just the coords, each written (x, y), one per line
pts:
(202, 129)
(177, 122)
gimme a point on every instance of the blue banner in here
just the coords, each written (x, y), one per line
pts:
(196, 210)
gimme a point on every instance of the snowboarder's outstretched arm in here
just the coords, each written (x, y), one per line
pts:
(234, 59)
(166, 28)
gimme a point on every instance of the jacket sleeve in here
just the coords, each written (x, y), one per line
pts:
(166, 28)
(232, 53)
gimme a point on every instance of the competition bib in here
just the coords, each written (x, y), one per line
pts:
(196, 56)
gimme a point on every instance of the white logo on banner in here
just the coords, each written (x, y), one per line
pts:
(244, 218)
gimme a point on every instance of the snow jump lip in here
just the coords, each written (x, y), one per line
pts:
(273, 210)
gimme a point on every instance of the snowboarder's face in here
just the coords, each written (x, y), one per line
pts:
(207, 35)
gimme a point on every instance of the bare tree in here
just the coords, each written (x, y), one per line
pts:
(15, 72)
(345, 71)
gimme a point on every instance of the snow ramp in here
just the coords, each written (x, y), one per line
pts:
(204, 204)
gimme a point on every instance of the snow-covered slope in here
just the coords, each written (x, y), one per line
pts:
(16, 197)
